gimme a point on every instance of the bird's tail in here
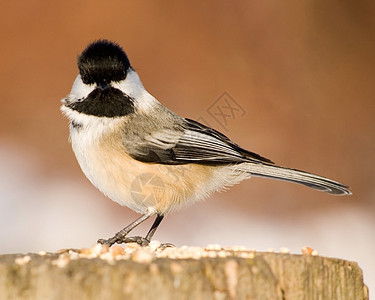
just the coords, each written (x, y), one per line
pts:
(297, 176)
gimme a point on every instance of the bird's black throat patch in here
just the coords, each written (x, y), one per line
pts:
(108, 102)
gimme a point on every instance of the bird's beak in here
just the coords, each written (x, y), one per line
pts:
(103, 85)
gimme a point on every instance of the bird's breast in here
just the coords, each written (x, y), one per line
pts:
(137, 185)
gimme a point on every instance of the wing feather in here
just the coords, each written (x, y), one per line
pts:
(192, 142)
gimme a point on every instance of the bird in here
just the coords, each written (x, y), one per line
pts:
(144, 156)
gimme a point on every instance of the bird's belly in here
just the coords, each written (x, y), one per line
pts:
(142, 186)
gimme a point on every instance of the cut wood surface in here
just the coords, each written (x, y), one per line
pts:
(178, 273)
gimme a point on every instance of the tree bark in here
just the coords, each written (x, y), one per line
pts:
(261, 276)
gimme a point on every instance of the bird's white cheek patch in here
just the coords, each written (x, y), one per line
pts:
(80, 90)
(132, 87)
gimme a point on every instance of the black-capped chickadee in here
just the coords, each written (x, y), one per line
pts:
(146, 157)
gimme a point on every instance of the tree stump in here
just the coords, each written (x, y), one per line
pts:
(209, 273)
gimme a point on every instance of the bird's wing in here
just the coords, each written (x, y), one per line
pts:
(197, 143)
(192, 142)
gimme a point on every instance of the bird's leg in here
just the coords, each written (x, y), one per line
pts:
(151, 232)
(144, 241)
(120, 237)
(154, 226)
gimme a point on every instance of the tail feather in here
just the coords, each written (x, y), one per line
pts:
(297, 176)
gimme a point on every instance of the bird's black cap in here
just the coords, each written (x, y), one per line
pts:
(102, 62)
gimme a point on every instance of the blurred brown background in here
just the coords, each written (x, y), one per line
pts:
(301, 71)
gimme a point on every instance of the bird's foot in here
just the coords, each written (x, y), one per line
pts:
(143, 242)
(166, 245)
(119, 239)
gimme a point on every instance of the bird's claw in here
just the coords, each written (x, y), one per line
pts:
(143, 242)
(119, 239)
